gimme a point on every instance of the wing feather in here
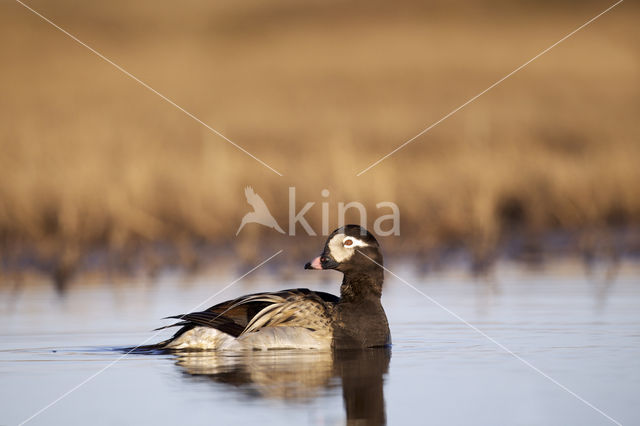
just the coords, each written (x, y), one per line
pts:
(250, 313)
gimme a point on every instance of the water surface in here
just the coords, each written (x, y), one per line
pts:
(580, 331)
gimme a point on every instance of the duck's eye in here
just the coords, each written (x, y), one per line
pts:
(348, 242)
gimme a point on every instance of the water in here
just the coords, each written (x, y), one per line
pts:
(583, 333)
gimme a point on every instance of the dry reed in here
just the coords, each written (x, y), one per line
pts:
(91, 159)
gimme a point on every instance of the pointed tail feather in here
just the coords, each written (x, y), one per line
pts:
(156, 348)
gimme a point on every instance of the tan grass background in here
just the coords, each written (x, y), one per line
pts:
(318, 90)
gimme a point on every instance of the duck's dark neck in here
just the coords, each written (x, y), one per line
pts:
(359, 287)
(360, 318)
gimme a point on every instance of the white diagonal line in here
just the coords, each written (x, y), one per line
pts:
(489, 88)
(145, 85)
(500, 345)
(112, 363)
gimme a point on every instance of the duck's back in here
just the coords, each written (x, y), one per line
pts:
(296, 318)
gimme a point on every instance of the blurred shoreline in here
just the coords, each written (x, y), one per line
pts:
(595, 254)
(98, 173)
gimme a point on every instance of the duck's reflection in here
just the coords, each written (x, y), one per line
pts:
(271, 374)
(294, 375)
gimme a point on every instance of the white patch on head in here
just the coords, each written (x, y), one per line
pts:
(342, 247)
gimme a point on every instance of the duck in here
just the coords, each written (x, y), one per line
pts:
(300, 318)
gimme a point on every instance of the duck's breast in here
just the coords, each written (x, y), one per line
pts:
(206, 338)
(286, 338)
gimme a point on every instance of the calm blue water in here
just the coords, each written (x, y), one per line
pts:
(582, 332)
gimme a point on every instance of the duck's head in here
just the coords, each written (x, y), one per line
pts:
(348, 249)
